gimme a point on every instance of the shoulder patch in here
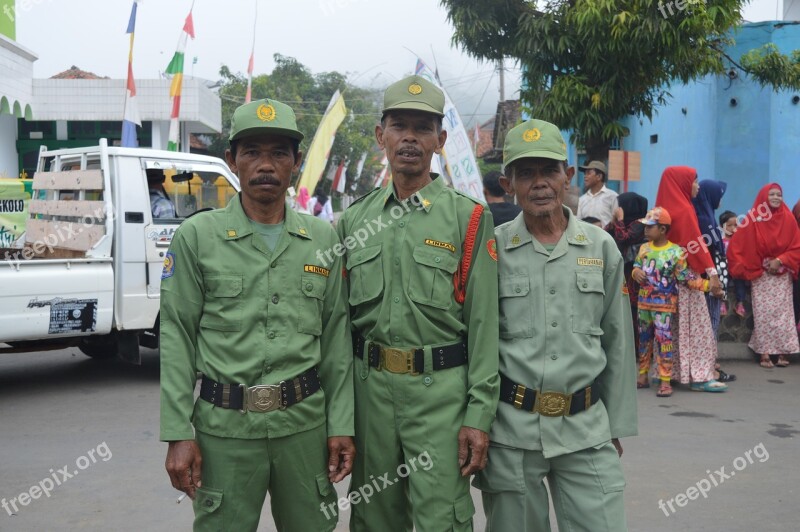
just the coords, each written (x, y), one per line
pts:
(319, 270)
(169, 266)
(491, 246)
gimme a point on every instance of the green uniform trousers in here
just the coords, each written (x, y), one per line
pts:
(237, 473)
(407, 451)
(586, 487)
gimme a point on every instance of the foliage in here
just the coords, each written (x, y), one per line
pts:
(589, 63)
(308, 94)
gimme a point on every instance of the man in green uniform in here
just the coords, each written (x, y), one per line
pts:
(567, 370)
(426, 358)
(246, 303)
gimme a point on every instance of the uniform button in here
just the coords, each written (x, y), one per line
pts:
(309, 286)
(518, 290)
(402, 224)
(585, 285)
(554, 324)
(209, 503)
(427, 380)
(397, 300)
(396, 338)
(554, 357)
(552, 291)
(437, 259)
(397, 261)
(273, 264)
(268, 369)
(270, 335)
(275, 299)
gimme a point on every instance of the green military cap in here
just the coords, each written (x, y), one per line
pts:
(264, 117)
(534, 138)
(414, 93)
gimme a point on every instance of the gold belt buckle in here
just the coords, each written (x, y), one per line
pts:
(552, 404)
(261, 398)
(396, 360)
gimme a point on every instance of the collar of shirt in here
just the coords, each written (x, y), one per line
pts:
(520, 236)
(238, 224)
(601, 191)
(423, 198)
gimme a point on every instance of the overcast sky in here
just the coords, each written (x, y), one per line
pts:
(375, 40)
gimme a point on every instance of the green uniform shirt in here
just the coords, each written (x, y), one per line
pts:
(565, 322)
(401, 258)
(238, 313)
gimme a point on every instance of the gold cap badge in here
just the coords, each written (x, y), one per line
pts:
(415, 88)
(532, 135)
(265, 113)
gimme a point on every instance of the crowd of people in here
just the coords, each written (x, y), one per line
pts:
(685, 267)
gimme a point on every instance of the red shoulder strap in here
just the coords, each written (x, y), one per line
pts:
(460, 277)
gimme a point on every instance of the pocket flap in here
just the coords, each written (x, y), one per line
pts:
(323, 484)
(590, 282)
(464, 509)
(363, 255)
(514, 286)
(223, 285)
(444, 260)
(218, 324)
(208, 499)
(313, 285)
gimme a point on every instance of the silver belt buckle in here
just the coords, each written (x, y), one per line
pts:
(261, 398)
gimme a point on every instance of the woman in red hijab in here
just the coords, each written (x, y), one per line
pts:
(697, 345)
(767, 253)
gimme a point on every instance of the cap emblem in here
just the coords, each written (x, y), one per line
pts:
(265, 113)
(532, 135)
(415, 88)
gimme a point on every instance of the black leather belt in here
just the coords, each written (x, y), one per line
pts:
(260, 398)
(410, 360)
(550, 404)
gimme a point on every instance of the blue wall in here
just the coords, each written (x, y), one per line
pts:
(755, 142)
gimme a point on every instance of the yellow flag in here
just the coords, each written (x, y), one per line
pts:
(320, 150)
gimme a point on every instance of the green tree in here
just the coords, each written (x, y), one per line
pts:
(308, 94)
(587, 64)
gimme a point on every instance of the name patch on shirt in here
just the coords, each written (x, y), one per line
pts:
(319, 270)
(585, 261)
(444, 245)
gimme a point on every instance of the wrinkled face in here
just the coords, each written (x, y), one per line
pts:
(775, 198)
(540, 185)
(695, 187)
(730, 226)
(410, 139)
(264, 164)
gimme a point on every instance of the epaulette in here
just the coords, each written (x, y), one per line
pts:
(373, 191)
(471, 198)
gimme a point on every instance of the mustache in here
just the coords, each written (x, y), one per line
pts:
(410, 149)
(264, 179)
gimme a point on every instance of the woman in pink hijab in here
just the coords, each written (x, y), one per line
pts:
(301, 203)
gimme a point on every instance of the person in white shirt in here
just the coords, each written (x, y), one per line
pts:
(320, 205)
(599, 201)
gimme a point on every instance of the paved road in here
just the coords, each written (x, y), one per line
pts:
(101, 419)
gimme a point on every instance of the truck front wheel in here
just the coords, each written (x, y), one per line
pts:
(100, 347)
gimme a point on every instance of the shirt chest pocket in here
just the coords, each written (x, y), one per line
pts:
(431, 281)
(365, 274)
(222, 302)
(588, 301)
(516, 309)
(310, 308)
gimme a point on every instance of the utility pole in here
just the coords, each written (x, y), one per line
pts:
(501, 70)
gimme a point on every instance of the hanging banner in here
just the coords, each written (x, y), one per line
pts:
(15, 195)
(320, 149)
(459, 166)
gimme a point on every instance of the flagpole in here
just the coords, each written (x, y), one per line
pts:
(249, 95)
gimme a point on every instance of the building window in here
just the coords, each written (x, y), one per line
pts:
(40, 130)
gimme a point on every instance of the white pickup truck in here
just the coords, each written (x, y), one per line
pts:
(87, 270)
